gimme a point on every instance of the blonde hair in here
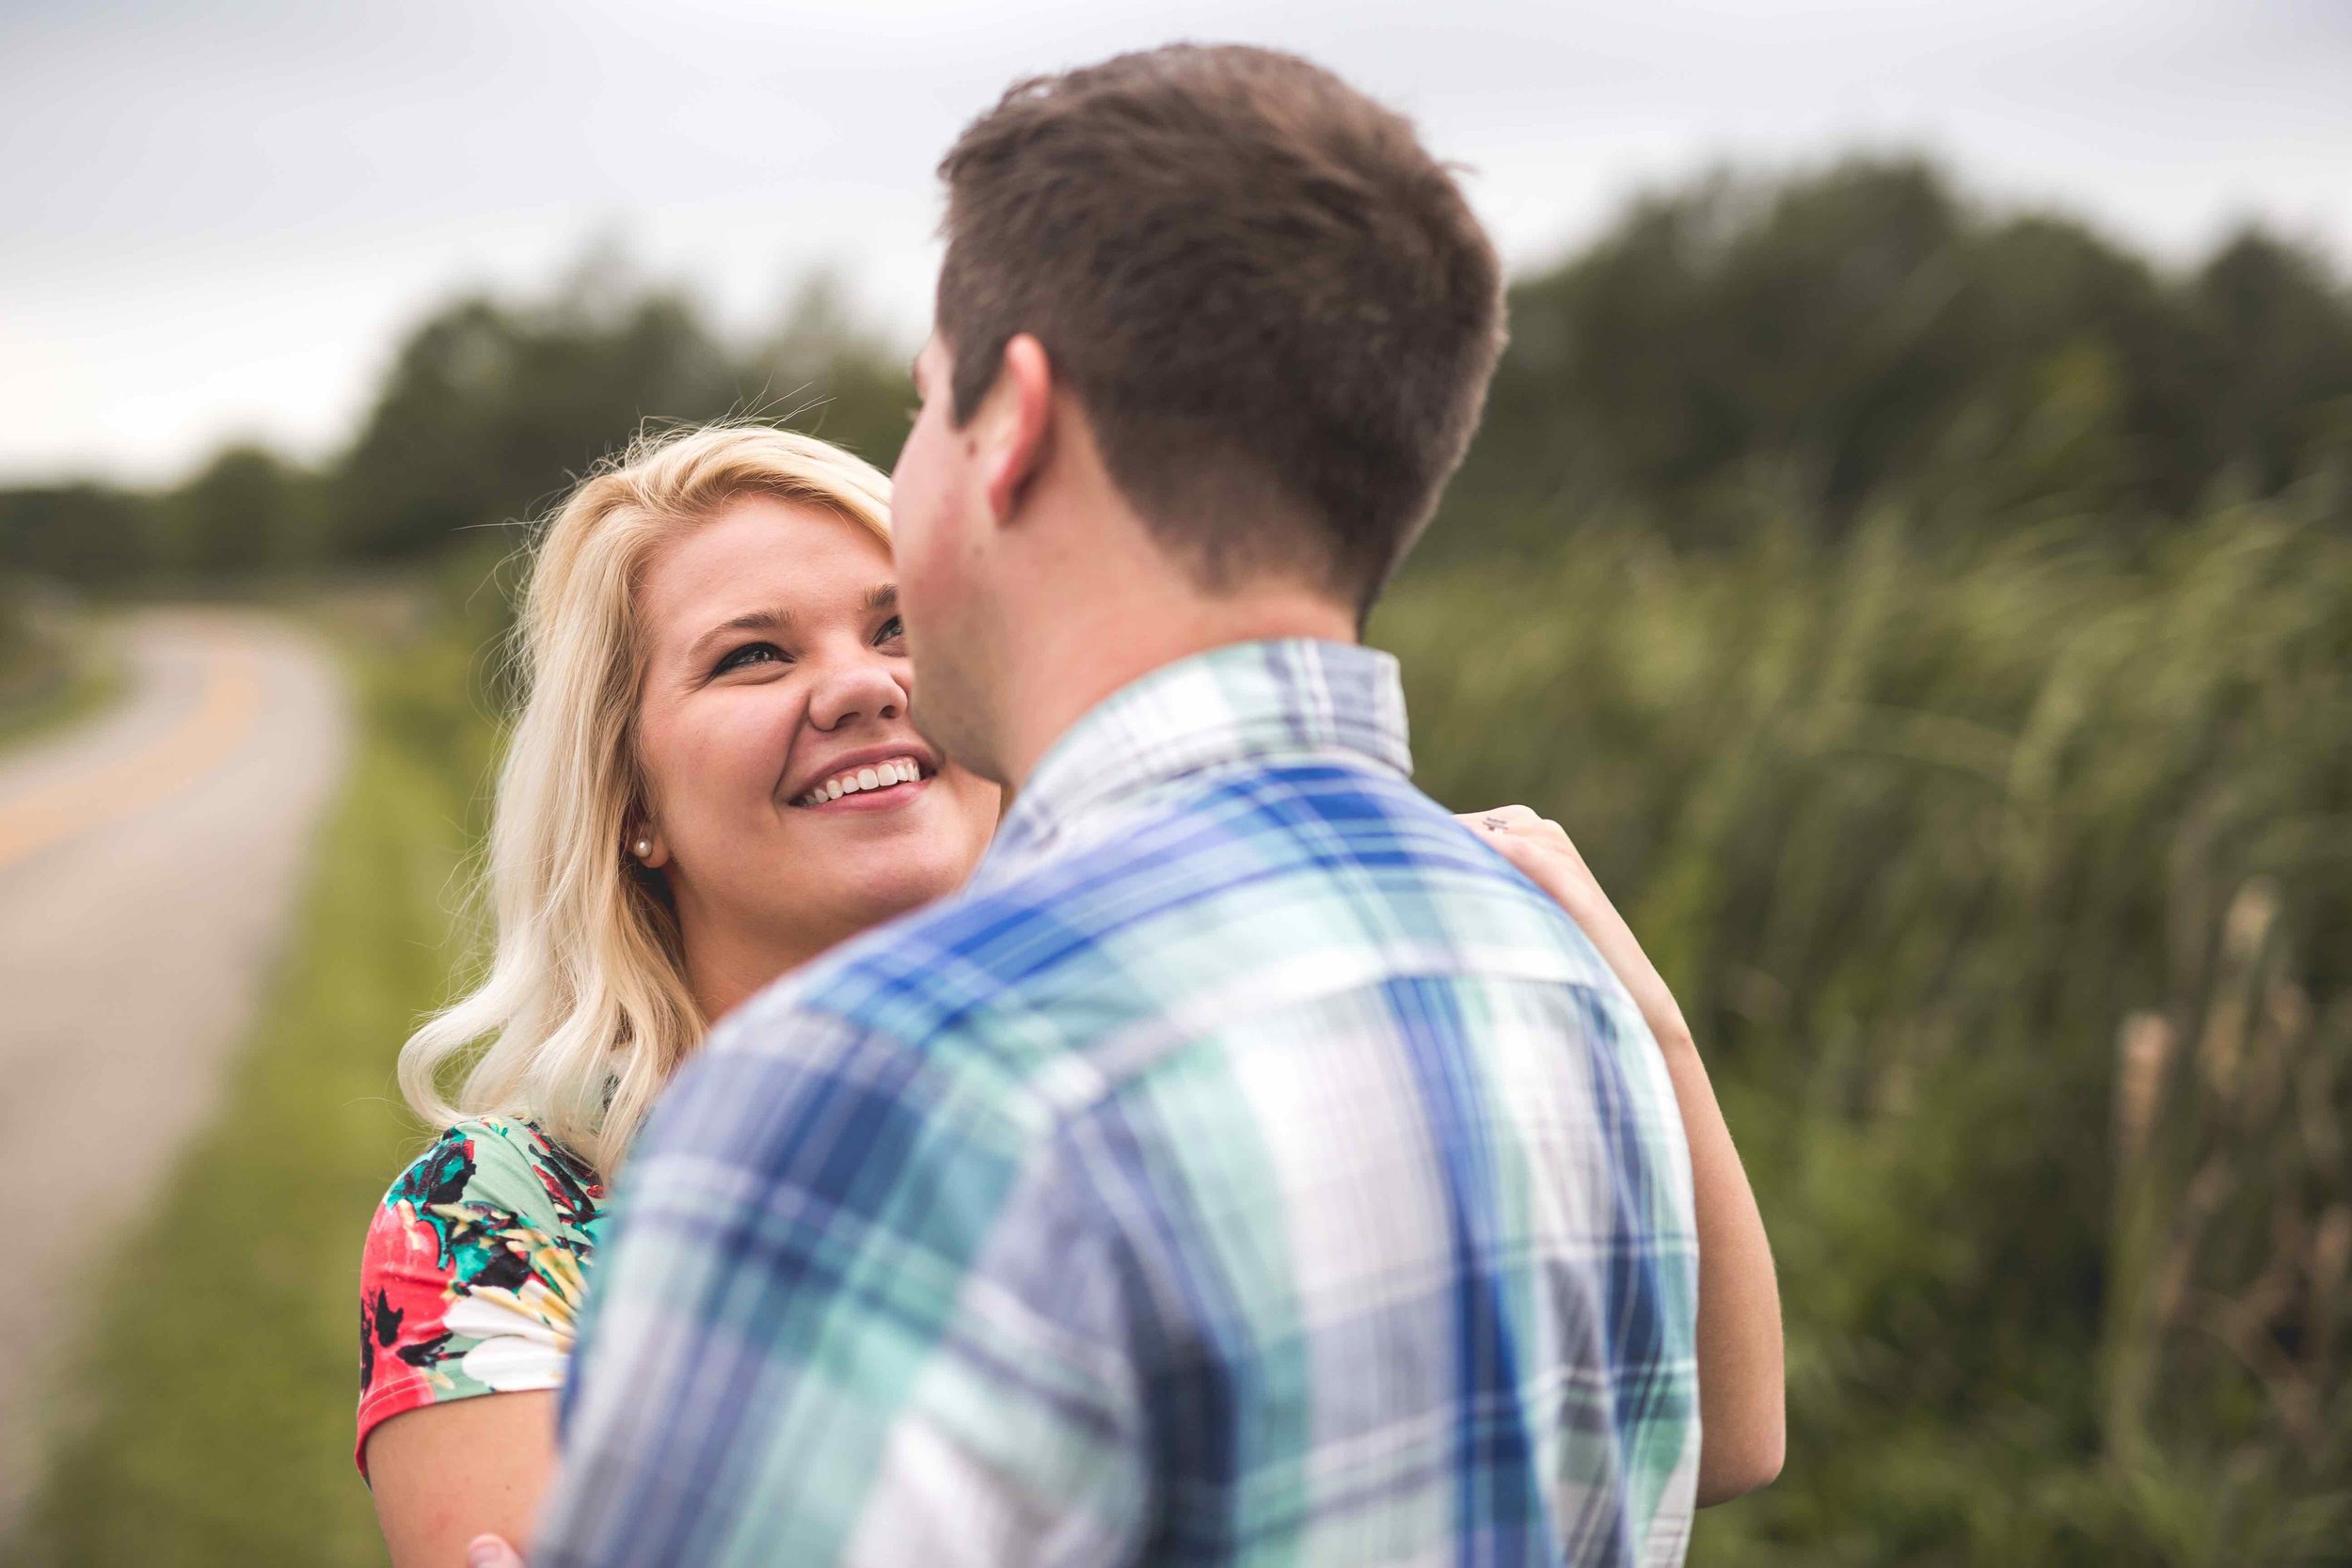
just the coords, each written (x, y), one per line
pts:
(585, 1012)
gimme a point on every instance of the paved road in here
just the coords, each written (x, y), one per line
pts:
(148, 864)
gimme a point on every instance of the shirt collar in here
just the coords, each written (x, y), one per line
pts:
(1246, 700)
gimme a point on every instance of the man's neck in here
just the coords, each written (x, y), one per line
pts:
(1119, 639)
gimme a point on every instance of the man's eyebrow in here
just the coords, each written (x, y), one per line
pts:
(883, 597)
(751, 620)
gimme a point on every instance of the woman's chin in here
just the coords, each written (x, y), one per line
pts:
(884, 886)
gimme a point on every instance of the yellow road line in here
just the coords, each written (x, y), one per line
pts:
(231, 698)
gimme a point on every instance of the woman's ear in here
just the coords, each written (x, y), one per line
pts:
(647, 847)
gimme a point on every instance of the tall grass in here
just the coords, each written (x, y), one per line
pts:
(2007, 890)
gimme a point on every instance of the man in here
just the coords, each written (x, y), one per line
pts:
(1250, 1165)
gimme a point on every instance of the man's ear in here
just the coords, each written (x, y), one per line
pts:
(1021, 417)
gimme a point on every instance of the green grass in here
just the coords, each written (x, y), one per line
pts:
(82, 682)
(215, 1405)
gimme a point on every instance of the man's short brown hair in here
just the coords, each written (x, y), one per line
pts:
(1275, 305)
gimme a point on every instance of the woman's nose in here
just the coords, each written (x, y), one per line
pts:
(863, 687)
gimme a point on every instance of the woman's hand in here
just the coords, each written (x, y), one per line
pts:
(1742, 1403)
(1542, 849)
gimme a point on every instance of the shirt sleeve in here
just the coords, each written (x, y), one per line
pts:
(857, 1310)
(469, 1278)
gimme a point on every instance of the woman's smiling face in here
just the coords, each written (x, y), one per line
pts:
(774, 738)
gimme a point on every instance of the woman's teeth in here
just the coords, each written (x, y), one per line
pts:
(881, 775)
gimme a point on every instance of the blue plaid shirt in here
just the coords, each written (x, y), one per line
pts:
(1249, 1166)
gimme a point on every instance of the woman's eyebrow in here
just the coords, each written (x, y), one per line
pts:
(777, 621)
(884, 597)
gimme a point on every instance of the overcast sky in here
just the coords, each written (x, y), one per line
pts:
(220, 215)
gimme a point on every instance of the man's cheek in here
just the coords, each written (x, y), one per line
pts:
(927, 611)
(925, 559)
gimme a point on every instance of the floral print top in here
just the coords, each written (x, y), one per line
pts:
(472, 1278)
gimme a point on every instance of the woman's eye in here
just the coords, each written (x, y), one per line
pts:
(892, 631)
(749, 654)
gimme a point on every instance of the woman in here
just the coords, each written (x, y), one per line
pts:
(713, 779)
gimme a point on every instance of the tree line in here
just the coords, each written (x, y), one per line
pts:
(490, 407)
(1853, 336)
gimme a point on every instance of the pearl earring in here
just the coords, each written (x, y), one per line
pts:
(645, 848)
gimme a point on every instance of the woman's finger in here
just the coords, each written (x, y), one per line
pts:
(1496, 818)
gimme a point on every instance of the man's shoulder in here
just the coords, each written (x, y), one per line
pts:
(1267, 864)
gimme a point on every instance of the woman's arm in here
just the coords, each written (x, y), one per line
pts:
(1742, 1414)
(446, 1473)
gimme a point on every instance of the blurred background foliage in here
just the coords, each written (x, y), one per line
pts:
(2003, 882)
(1933, 622)
(1865, 336)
